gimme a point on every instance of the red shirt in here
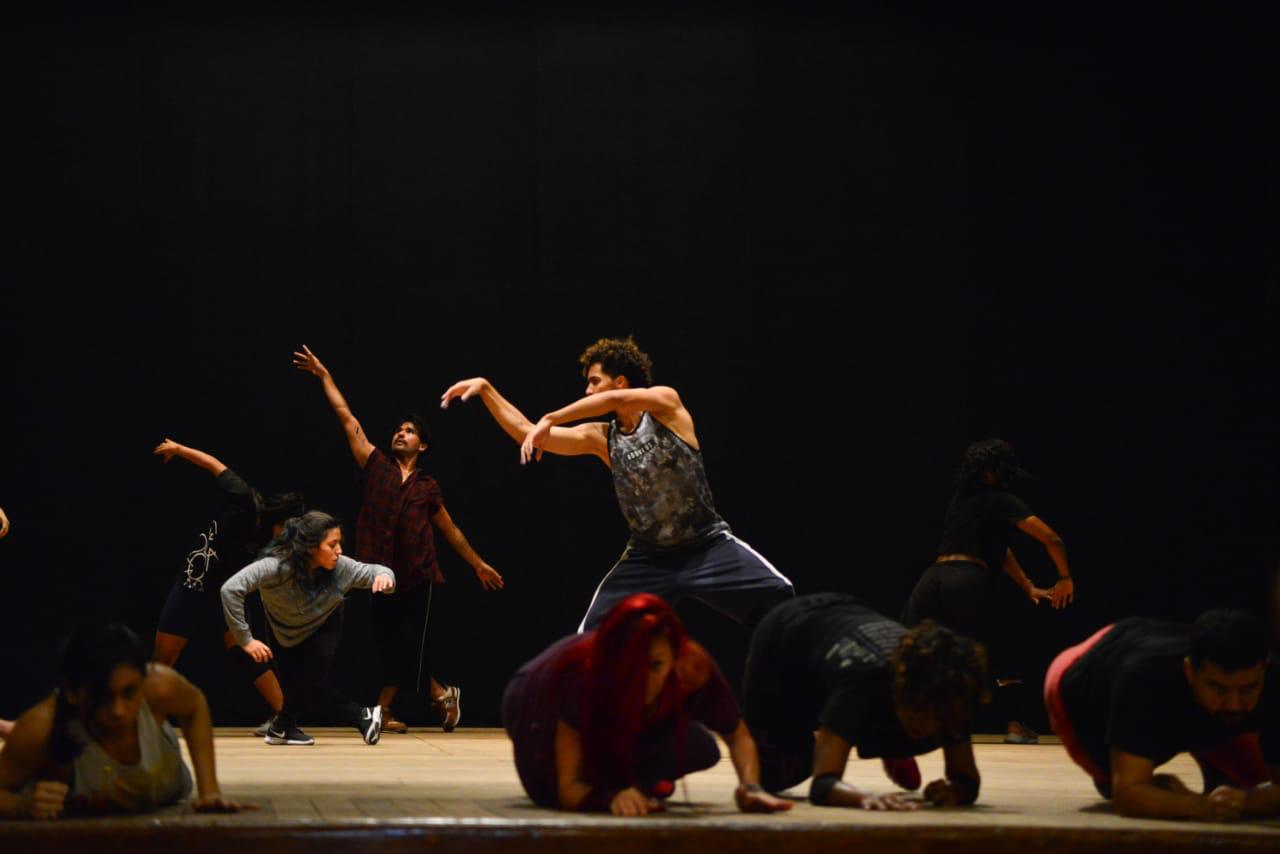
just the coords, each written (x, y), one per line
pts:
(394, 528)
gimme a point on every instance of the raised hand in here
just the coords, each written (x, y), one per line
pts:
(462, 390)
(167, 449)
(258, 651)
(489, 577)
(535, 440)
(307, 361)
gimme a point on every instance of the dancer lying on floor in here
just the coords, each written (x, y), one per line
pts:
(304, 580)
(830, 664)
(1137, 693)
(101, 742)
(608, 720)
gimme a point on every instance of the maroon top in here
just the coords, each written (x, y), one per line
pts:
(394, 528)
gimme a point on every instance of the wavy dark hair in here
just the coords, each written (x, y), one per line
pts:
(271, 509)
(619, 357)
(302, 535)
(994, 456)
(940, 674)
(89, 657)
(615, 658)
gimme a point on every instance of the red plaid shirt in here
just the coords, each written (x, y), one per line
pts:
(394, 528)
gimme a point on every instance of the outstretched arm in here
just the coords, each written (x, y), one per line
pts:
(565, 441)
(170, 449)
(1064, 591)
(361, 447)
(1014, 570)
(169, 694)
(487, 575)
(750, 796)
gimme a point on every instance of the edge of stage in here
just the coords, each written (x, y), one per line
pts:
(453, 792)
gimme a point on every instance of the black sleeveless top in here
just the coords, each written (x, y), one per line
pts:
(661, 486)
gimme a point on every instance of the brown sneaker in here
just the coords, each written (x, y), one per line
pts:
(390, 723)
(449, 707)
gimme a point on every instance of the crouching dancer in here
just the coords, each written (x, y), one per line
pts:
(608, 720)
(101, 743)
(830, 664)
(1137, 693)
(304, 580)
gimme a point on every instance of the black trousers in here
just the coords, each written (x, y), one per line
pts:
(404, 630)
(304, 676)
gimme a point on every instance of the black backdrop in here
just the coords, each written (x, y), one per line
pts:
(854, 240)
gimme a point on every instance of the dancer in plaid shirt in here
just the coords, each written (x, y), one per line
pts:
(401, 502)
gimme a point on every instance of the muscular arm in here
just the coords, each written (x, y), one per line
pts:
(170, 449)
(170, 694)
(584, 439)
(746, 761)
(488, 576)
(1064, 591)
(960, 788)
(361, 447)
(662, 401)
(570, 786)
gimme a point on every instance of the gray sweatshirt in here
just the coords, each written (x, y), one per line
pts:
(294, 612)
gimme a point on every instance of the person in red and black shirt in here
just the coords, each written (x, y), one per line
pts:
(401, 502)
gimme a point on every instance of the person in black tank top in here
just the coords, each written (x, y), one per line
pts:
(957, 590)
(679, 547)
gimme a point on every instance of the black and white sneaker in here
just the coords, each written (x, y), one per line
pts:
(371, 724)
(287, 735)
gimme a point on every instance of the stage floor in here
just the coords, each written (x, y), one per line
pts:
(454, 791)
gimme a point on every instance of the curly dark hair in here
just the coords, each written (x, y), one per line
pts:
(990, 455)
(619, 357)
(301, 535)
(940, 674)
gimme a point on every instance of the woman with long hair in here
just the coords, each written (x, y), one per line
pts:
(957, 590)
(608, 720)
(304, 579)
(102, 742)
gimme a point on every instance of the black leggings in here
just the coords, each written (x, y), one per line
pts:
(957, 595)
(403, 630)
(304, 676)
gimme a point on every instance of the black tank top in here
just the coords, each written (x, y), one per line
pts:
(662, 486)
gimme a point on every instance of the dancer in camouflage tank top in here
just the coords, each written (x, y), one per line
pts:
(679, 545)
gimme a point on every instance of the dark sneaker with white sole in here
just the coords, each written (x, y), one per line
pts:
(449, 706)
(371, 724)
(287, 735)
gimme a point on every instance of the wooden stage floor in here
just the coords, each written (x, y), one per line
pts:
(459, 791)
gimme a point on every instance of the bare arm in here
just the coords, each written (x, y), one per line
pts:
(361, 447)
(1264, 801)
(960, 788)
(1014, 570)
(746, 761)
(1140, 793)
(660, 400)
(487, 575)
(584, 439)
(4, 524)
(170, 449)
(830, 756)
(169, 694)
(1065, 590)
(22, 759)
(577, 794)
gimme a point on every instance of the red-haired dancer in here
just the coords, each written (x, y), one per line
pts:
(607, 720)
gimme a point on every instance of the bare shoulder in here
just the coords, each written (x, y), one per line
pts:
(36, 723)
(167, 691)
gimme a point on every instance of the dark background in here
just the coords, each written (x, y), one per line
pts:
(854, 240)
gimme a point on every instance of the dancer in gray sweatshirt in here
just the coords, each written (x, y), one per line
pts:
(303, 582)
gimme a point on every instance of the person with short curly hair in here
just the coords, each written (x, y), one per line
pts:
(826, 673)
(680, 547)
